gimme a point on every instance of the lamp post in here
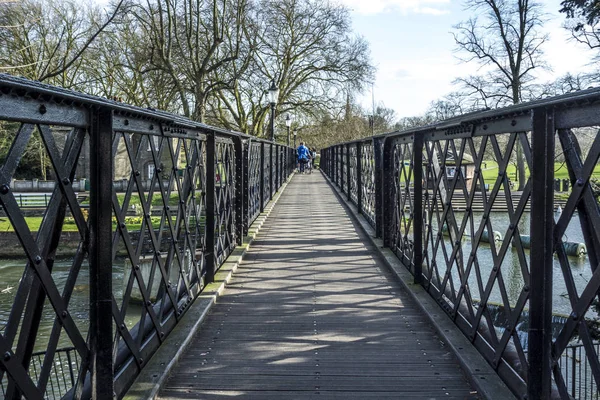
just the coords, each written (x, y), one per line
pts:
(295, 133)
(273, 95)
(288, 123)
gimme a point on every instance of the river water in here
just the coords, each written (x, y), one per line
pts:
(11, 271)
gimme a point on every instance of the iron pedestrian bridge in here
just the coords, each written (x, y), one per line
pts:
(199, 265)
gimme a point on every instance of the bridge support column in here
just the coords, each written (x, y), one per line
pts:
(379, 193)
(359, 177)
(539, 377)
(262, 177)
(348, 174)
(240, 189)
(100, 220)
(417, 212)
(210, 207)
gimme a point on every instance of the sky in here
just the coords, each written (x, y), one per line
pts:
(413, 49)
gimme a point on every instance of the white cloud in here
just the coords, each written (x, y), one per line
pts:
(373, 7)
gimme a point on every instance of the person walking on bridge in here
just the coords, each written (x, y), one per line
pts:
(303, 156)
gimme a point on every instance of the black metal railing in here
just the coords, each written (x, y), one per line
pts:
(135, 259)
(62, 375)
(494, 252)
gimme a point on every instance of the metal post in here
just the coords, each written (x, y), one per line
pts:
(542, 223)
(348, 174)
(378, 156)
(273, 122)
(210, 207)
(288, 142)
(262, 176)
(417, 213)
(359, 176)
(277, 167)
(246, 178)
(240, 189)
(385, 194)
(271, 171)
(100, 220)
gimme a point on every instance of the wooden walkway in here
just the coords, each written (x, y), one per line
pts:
(311, 314)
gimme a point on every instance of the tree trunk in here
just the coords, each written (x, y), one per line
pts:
(521, 179)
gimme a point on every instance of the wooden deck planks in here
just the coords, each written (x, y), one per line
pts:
(310, 314)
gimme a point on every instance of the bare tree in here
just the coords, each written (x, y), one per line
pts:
(190, 42)
(583, 22)
(307, 47)
(507, 43)
(46, 40)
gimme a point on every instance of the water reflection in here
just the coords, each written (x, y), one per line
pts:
(11, 271)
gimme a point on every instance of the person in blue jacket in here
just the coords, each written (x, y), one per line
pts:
(303, 156)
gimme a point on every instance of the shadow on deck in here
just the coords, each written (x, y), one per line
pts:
(313, 313)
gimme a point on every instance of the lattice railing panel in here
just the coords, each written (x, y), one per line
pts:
(353, 173)
(254, 167)
(475, 260)
(225, 236)
(402, 197)
(368, 181)
(267, 176)
(577, 254)
(41, 285)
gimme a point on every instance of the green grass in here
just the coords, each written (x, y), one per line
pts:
(34, 223)
(490, 171)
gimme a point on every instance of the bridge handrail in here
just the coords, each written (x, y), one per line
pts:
(206, 183)
(406, 182)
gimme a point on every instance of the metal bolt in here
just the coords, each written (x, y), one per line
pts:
(126, 122)
(575, 316)
(123, 226)
(7, 356)
(151, 127)
(526, 288)
(4, 189)
(512, 226)
(137, 267)
(42, 109)
(485, 127)
(162, 334)
(122, 326)
(64, 314)
(158, 170)
(38, 259)
(66, 181)
(579, 182)
(513, 122)
(168, 208)
(148, 303)
(141, 360)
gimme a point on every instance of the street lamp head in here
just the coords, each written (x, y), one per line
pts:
(273, 93)
(288, 120)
